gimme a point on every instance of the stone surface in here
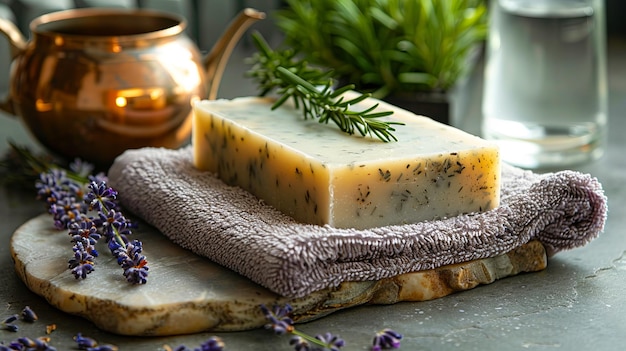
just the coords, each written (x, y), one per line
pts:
(186, 293)
(576, 303)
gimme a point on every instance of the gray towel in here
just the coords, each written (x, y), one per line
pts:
(228, 225)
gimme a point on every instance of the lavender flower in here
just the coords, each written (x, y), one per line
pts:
(7, 323)
(214, 343)
(300, 343)
(332, 342)
(100, 196)
(278, 318)
(81, 168)
(106, 347)
(281, 323)
(84, 231)
(386, 339)
(326, 342)
(177, 348)
(115, 225)
(89, 344)
(48, 187)
(82, 262)
(62, 195)
(133, 262)
(70, 197)
(24, 343)
(28, 314)
(84, 342)
(65, 210)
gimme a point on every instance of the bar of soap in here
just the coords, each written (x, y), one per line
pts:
(320, 175)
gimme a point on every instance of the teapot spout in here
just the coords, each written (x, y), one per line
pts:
(215, 61)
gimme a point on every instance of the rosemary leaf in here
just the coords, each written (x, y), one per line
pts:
(19, 167)
(311, 90)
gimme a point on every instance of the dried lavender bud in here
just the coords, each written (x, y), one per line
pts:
(279, 319)
(300, 344)
(386, 339)
(106, 347)
(214, 343)
(133, 262)
(115, 225)
(82, 263)
(101, 197)
(84, 231)
(7, 323)
(84, 342)
(39, 344)
(177, 348)
(29, 315)
(333, 342)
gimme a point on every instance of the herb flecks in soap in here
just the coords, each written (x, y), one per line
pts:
(312, 91)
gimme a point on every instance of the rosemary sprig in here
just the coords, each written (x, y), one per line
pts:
(312, 90)
(389, 46)
(21, 167)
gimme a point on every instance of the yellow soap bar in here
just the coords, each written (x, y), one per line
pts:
(320, 175)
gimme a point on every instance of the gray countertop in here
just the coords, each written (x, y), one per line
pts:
(577, 303)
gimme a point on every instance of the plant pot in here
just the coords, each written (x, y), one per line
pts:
(435, 105)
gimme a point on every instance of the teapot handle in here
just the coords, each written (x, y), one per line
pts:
(17, 45)
(215, 61)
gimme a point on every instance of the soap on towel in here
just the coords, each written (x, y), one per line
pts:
(317, 174)
(231, 227)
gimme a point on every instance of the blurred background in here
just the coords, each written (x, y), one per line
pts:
(206, 18)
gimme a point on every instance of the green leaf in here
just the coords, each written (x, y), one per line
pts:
(362, 40)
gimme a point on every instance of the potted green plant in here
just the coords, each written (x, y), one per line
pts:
(410, 53)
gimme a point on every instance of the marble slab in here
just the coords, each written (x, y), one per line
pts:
(187, 293)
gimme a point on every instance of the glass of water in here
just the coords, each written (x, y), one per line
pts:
(545, 93)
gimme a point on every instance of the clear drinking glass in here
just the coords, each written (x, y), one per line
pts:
(545, 97)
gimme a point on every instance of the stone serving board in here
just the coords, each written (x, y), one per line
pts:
(187, 293)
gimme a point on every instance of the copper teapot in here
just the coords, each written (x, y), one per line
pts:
(92, 83)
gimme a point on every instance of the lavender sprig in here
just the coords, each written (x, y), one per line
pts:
(71, 198)
(280, 322)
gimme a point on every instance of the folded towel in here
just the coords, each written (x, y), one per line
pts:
(228, 225)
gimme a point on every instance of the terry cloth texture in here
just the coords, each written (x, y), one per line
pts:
(230, 226)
